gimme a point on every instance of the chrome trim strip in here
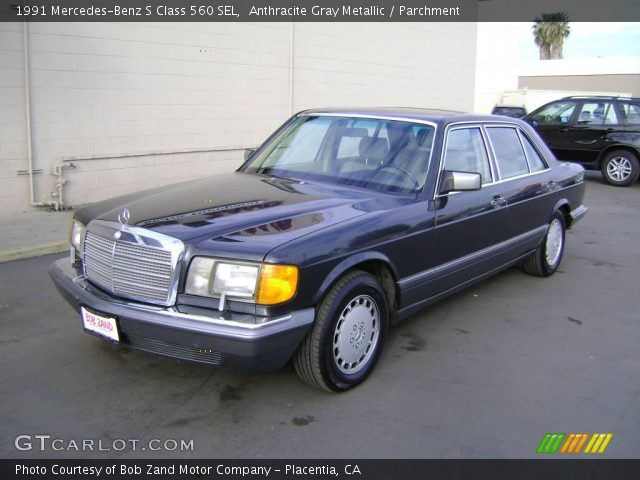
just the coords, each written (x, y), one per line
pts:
(472, 256)
(374, 117)
(172, 312)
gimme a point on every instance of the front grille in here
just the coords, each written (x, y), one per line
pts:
(140, 271)
(182, 352)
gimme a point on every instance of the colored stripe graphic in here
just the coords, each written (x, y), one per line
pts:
(550, 442)
(598, 443)
(574, 443)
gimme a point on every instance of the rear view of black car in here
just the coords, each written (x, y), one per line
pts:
(600, 133)
(509, 111)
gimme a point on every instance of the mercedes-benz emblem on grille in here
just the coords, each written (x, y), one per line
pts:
(124, 216)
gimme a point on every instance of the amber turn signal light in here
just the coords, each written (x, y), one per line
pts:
(277, 284)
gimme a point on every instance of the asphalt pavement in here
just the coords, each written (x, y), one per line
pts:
(483, 374)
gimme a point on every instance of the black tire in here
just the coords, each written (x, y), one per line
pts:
(539, 263)
(318, 360)
(620, 168)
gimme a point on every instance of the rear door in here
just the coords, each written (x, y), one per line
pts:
(587, 136)
(527, 184)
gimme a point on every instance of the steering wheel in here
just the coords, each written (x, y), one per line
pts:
(406, 173)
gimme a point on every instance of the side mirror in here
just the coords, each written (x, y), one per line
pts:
(459, 181)
(248, 152)
(564, 120)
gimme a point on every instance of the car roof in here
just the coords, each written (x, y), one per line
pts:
(599, 97)
(406, 113)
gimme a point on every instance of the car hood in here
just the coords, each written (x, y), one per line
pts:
(237, 212)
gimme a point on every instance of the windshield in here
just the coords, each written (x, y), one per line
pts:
(384, 155)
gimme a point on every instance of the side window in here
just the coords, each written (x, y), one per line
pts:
(557, 113)
(597, 113)
(508, 150)
(536, 163)
(465, 152)
(631, 112)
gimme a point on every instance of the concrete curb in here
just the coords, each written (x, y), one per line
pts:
(33, 251)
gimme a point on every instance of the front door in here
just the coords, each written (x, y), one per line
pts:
(468, 224)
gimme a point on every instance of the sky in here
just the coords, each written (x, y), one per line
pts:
(587, 39)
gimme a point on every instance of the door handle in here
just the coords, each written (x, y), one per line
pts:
(498, 201)
(551, 186)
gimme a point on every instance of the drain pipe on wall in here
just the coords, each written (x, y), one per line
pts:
(27, 102)
(57, 170)
(290, 68)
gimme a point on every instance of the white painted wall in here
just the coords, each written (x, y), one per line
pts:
(497, 64)
(140, 105)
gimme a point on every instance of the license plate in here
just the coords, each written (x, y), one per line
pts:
(106, 327)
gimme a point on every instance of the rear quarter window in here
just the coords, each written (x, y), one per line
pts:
(508, 151)
(631, 112)
(536, 162)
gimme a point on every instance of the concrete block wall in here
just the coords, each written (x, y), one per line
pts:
(140, 105)
(14, 190)
(428, 65)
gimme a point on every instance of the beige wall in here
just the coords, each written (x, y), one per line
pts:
(496, 64)
(139, 105)
(596, 83)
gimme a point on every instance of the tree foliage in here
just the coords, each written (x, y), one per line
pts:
(549, 32)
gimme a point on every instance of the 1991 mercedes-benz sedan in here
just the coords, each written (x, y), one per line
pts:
(342, 223)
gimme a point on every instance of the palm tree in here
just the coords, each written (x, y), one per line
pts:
(549, 33)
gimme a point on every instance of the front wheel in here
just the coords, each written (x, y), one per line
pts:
(620, 168)
(547, 257)
(345, 342)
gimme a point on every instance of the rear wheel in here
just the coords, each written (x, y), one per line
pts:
(620, 168)
(346, 340)
(547, 257)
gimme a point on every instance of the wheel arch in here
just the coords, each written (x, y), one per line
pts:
(563, 206)
(375, 263)
(611, 148)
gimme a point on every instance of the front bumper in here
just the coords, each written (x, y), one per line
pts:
(261, 345)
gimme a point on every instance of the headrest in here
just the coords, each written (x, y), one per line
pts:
(373, 148)
(354, 132)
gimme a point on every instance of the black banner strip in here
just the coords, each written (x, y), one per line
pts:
(319, 469)
(314, 10)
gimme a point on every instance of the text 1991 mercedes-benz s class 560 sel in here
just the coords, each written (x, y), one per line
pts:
(342, 223)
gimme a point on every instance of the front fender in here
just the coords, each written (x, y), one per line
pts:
(347, 264)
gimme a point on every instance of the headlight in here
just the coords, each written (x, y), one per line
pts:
(77, 236)
(265, 284)
(233, 280)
